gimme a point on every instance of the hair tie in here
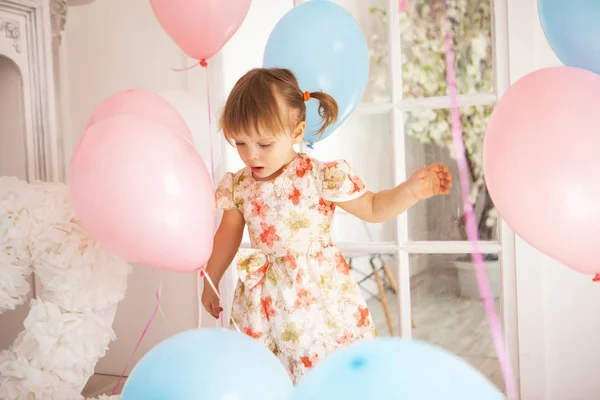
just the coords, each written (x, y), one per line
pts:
(306, 95)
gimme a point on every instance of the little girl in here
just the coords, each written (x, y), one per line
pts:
(295, 293)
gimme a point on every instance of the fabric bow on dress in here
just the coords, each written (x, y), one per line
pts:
(252, 268)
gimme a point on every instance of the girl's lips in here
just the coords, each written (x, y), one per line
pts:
(257, 169)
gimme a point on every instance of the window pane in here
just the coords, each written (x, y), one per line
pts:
(423, 47)
(365, 142)
(429, 140)
(448, 311)
(372, 17)
(376, 275)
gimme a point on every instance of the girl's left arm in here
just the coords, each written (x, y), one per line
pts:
(379, 207)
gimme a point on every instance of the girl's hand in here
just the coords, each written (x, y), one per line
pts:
(430, 181)
(210, 301)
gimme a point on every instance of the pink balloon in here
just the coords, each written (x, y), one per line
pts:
(143, 104)
(542, 165)
(200, 27)
(144, 193)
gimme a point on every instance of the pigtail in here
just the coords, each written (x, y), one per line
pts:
(328, 110)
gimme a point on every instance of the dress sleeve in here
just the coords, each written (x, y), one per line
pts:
(224, 193)
(340, 183)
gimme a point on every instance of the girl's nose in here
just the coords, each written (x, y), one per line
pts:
(253, 154)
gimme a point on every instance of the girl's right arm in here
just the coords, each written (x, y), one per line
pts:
(227, 242)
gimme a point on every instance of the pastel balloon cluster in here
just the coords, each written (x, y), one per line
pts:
(318, 40)
(139, 185)
(541, 162)
(218, 364)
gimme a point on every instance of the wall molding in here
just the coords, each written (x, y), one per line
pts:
(26, 39)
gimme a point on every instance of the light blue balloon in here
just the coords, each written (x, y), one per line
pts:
(325, 47)
(208, 364)
(572, 28)
(394, 369)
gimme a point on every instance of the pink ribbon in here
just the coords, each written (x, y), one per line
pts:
(402, 5)
(471, 222)
(137, 345)
(212, 157)
(201, 62)
(203, 274)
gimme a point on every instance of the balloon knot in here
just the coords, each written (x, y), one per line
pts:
(596, 278)
(310, 145)
(203, 63)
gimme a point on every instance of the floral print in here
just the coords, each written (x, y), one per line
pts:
(295, 292)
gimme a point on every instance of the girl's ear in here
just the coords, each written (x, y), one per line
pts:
(298, 134)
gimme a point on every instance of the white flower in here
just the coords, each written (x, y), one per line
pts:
(479, 46)
(439, 129)
(492, 218)
(14, 284)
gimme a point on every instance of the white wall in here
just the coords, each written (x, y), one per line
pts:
(245, 51)
(558, 308)
(114, 45)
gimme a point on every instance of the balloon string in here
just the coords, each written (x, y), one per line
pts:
(201, 62)
(213, 287)
(184, 68)
(212, 156)
(471, 221)
(156, 309)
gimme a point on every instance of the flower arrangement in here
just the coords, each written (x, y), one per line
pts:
(424, 75)
(69, 325)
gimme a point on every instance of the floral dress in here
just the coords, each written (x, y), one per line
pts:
(295, 292)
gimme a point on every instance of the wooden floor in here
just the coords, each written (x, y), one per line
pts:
(101, 384)
(446, 319)
(441, 315)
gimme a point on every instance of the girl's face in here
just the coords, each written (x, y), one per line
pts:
(267, 154)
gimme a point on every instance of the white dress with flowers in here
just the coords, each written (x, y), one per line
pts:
(295, 291)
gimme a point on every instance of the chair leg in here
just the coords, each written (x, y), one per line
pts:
(384, 303)
(392, 281)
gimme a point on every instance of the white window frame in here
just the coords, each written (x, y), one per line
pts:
(505, 246)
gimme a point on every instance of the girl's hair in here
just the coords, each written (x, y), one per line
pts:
(269, 100)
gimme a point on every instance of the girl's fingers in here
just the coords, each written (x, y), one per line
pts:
(215, 309)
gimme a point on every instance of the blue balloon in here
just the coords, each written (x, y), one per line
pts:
(208, 364)
(394, 369)
(572, 28)
(326, 49)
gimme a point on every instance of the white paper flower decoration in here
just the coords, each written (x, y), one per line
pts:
(69, 325)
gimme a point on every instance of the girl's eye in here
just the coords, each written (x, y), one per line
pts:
(240, 144)
(265, 145)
